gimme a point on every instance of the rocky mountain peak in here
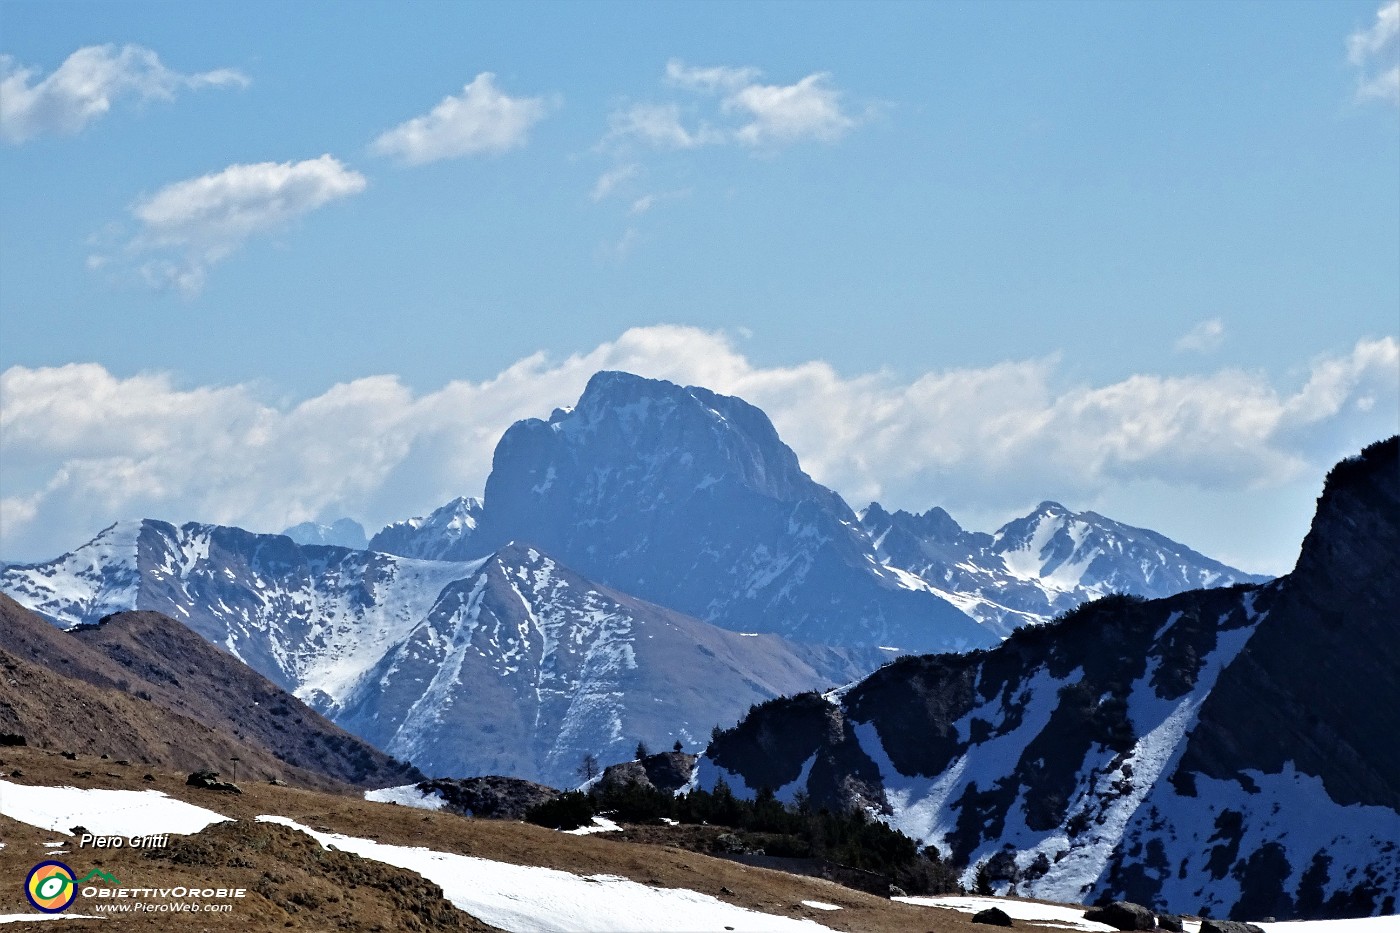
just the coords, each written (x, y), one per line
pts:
(689, 499)
(445, 534)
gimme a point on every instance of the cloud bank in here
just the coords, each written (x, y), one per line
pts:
(85, 87)
(85, 447)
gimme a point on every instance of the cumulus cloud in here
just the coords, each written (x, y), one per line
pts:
(747, 112)
(1375, 52)
(188, 226)
(809, 109)
(86, 86)
(482, 120)
(84, 446)
(1204, 337)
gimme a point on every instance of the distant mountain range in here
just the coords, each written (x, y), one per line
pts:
(1228, 752)
(1036, 567)
(644, 566)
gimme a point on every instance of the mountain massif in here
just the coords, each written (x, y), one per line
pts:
(1226, 752)
(645, 566)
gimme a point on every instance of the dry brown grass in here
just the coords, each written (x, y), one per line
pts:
(275, 864)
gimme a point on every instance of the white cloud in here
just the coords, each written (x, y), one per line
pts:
(660, 126)
(809, 109)
(84, 447)
(188, 226)
(609, 181)
(721, 78)
(482, 120)
(646, 202)
(748, 113)
(1204, 337)
(1375, 52)
(85, 87)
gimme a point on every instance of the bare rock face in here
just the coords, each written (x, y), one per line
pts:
(689, 499)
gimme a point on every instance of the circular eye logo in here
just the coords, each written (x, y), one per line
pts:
(50, 887)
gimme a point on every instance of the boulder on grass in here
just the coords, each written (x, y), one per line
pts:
(1228, 926)
(1123, 915)
(992, 916)
(209, 780)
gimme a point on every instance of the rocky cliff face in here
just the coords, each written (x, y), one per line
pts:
(690, 500)
(1227, 752)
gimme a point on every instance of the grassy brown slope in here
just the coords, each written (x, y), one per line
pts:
(152, 658)
(235, 856)
(191, 676)
(68, 714)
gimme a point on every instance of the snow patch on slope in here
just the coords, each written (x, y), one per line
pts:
(524, 898)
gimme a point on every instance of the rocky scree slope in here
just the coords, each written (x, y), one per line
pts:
(1225, 752)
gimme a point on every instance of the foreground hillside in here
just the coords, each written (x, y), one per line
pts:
(1225, 752)
(294, 883)
(140, 686)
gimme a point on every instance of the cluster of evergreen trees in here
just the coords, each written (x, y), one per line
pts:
(851, 839)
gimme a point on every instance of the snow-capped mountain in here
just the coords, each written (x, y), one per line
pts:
(443, 535)
(523, 667)
(1229, 752)
(1034, 568)
(690, 499)
(343, 532)
(507, 664)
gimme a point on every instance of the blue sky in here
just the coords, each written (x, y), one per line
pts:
(1160, 241)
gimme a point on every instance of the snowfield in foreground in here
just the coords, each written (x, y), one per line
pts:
(516, 897)
(522, 898)
(103, 812)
